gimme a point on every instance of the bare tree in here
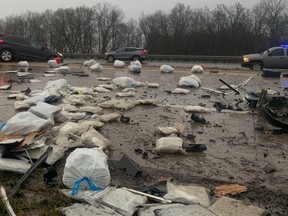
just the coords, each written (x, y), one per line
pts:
(107, 17)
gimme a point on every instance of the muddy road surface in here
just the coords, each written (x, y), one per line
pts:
(236, 151)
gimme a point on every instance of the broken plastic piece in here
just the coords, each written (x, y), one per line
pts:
(130, 166)
(195, 147)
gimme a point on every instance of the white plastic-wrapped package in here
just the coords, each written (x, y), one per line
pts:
(23, 64)
(119, 64)
(27, 103)
(166, 69)
(134, 68)
(84, 162)
(90, 63)
(96, 68)
(92, 138)
(44, 110)
(188, 194)
(124, 82)
(24, 123)
(169, 145)
(52, 63)
(198, 109)
(138, 63)
(62, 69)
(197, 69)
(180, 91)
(190, 81)
(60, 84)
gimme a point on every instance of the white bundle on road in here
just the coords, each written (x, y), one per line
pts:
(138, 63)
(23, 64)
(197, 69)
(119, 64)
(89, 63)
(134, 69)
(62, 69)
(96, 68)
(125, 82)
(190, 81)
(166, 69)
(52, 63)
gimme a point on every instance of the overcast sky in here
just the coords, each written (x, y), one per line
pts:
(131, 8)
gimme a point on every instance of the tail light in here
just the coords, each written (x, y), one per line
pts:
(1, 41)
(144, 52)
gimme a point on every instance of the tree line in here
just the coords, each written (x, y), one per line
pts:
(223, 30)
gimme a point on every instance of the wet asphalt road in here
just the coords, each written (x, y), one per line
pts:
(236, 151)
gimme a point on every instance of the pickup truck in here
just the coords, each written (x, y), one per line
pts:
(275, 57)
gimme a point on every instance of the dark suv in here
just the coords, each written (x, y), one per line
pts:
(127, 53)
(14, 47)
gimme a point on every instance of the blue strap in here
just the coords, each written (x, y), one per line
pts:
(77, 183)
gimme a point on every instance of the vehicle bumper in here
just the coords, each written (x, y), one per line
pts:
(245, 64)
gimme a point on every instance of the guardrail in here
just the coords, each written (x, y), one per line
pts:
(169, 58)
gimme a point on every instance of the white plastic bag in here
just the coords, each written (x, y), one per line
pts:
(96, 68)
(125, 82)
(134, 68)
(91, 163)
(52, 63)
(197, 69)
(190, 81)
(23, 64)
(24, 123)
(138, 63)
(119, 64)
(166, 69)
(90, 63)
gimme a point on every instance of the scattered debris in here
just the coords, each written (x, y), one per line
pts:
(198, 118)
(6, 87)
(6, 202)
(231, 189)
(194, 147)
(129, 166)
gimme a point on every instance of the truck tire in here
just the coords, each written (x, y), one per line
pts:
(110, 59)
(256, 66)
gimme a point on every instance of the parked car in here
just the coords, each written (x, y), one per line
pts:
(275, 57)
(127, 53)
(13, 47)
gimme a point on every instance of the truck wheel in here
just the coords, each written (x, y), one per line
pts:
(256, 66)
(110, 59)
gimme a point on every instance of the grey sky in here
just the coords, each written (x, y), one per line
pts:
(131, 8)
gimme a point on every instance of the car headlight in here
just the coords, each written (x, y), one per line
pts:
(60, 54)
(245, 59)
